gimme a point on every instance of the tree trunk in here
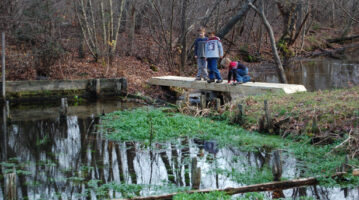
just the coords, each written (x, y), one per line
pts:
(217, 19)
(333, 13)
(304, 27)
(242, 12)
(132, 29)
(139, 19)
(184, 36)
(206, 19)
(115, 35)
(259, 39)
(268, 27)
(349, 19)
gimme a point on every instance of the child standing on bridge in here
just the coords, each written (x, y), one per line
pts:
(214, 51)
(237, 70)
(199, 54)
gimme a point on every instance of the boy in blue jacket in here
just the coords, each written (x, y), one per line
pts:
(199, 54)
(214, 51)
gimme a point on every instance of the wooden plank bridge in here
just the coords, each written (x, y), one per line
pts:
(245, 89)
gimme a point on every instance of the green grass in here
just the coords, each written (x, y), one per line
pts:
(200, 196)
(136, 125)
(335, 110)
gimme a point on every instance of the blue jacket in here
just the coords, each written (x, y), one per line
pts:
(199, 47)
(214, 48)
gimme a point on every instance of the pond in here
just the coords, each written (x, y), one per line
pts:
(69, 158)
(316, 74)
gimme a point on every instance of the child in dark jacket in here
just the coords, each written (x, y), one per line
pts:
(199, 52)
(237, 70)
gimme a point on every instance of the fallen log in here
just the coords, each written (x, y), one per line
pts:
(342, 39)
(336, 53)
(271, 186)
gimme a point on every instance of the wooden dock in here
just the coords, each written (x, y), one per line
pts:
(244, 89)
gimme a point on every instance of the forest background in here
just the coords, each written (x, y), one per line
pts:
(138, 39)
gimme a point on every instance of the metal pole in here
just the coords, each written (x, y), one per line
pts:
(3, 67)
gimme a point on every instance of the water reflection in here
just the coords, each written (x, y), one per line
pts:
(316, 74)
(71, 160)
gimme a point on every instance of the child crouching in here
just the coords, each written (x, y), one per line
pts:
(237, 70)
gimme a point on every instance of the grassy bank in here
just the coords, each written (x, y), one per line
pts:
(325, 117)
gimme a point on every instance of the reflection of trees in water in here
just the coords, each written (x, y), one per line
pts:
(324, 74)
(63, 158)
(320, 74)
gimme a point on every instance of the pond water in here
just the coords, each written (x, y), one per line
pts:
(316, 74)
(67, 158)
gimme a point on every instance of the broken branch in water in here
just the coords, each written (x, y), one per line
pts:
(271, 186)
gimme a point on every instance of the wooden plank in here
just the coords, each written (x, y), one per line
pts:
(249, 88)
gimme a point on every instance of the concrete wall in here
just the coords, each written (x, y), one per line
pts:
(48, 89)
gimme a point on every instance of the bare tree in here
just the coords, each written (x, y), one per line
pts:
(260, 11)
(133, 13)
(235, 19)
(162, 23)
(292, 27)
(184, 35)
(93, 30)
(349, 18)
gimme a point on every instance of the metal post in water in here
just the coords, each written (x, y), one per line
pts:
(3, 67)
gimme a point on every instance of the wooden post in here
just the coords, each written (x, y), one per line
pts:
(203, 101)
(63, 108)
(179, 104)
(196, 174)
(218, 104)
(4, 145)
(186, 97)
(277, 166)
(315, 128)
(240, 117)
(8, 109)
(98, 87)
(268, 119)
(3, 67)
(10, 187)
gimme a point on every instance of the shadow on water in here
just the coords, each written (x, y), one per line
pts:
(70, 159)
(316, 74)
